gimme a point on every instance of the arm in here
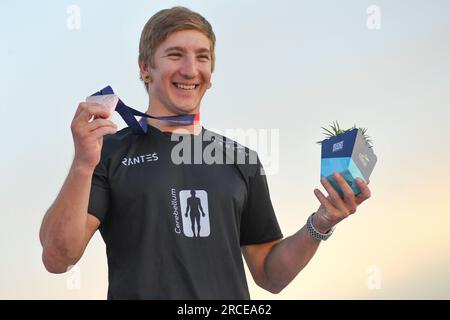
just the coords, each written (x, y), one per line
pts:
(67, 227)
(274, 265)
(187, 208)
(201, 208)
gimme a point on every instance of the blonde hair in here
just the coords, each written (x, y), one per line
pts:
(165, 22)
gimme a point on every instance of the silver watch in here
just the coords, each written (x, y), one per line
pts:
(316, 234)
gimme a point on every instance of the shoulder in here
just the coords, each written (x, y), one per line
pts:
(118, 137)
(114, 143)
(242, 156)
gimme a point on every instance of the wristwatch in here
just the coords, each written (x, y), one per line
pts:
(316, 234)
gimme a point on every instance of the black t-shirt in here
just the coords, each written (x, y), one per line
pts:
(175, 231)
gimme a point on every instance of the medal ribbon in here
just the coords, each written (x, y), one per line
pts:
(107, 97)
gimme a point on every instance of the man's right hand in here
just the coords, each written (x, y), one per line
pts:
(89, 125)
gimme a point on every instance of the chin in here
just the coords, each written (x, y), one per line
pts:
(185, 109)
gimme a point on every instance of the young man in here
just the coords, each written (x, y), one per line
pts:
(129, 187)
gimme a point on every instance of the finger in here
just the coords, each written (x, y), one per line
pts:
(365, 191)
(323, 200)
(334, 195)
(102, 131)
(349, 195)
(97, 123)
(80, 108)
(93, 109)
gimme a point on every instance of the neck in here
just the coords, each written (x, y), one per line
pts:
(166, 126)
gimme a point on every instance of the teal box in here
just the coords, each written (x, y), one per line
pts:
(350, 155)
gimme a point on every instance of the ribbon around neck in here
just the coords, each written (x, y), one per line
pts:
(108, 98)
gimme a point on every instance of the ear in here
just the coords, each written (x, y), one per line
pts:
(145, 72)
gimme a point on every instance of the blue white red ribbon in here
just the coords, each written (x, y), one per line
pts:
(140, 127)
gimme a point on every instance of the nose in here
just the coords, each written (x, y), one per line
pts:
(189, 68)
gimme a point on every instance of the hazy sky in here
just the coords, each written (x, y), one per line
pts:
(286, 66)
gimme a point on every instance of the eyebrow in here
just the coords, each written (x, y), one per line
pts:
(201, 50)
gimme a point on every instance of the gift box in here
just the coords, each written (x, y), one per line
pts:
(349, 154)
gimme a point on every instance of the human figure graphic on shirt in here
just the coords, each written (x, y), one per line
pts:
(195, 206)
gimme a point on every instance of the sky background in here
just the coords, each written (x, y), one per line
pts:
(291, 66)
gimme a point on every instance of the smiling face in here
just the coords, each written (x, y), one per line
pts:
(181, 73)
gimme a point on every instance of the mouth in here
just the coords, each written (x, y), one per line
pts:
(186, 86)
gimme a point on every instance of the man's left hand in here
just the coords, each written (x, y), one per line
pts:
(333, 208)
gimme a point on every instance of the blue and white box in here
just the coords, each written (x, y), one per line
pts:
(350, 155)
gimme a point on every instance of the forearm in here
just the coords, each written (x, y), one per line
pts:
(288, 258)
(64, 225)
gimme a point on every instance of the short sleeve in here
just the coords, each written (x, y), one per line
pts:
(259, 223)
(99, 197)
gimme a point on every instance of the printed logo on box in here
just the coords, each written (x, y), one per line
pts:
(338, 146)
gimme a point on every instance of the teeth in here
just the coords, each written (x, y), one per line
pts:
(185, 86)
